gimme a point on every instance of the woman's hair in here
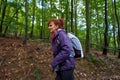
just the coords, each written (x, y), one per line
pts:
(59, 22)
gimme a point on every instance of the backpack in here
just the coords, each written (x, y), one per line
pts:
(76, 45)
(78, 51)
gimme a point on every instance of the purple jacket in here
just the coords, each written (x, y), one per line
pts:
(61, 52)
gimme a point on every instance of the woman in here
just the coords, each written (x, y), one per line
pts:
(62, 63)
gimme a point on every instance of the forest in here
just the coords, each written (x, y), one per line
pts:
(25, 42)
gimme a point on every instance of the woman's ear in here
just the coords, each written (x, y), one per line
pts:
(57, 26)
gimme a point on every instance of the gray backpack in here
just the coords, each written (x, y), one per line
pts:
(76, 45)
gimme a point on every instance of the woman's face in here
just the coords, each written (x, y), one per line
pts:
(52, 27)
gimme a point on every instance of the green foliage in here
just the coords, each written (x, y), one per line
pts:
(36, 40)
(15, 18)
(37, 74)
(95, 60)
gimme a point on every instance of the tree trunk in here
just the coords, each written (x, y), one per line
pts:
(72, 27)
(98, 36)
(34, 4)
(41, 31)
(87, 42)
(113, 23)
(26, 22)
(105, 49)
(118, 24)
(66, 7)
(4, 2)
(76, 17)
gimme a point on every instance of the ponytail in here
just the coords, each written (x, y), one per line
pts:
(61, 23)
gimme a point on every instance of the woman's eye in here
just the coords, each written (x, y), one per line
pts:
(50, 25)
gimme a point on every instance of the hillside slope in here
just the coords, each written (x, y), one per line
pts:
(32, 62)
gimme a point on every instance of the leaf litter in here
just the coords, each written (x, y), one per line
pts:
(32, 62)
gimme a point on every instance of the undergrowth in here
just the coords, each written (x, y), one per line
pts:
(95, 60)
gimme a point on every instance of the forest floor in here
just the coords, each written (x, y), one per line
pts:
(32, 62)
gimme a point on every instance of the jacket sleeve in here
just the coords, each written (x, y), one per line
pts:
(64, 52)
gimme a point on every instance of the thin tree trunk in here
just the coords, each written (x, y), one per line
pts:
(118, 23)
(26, 22)
(98, 36)
(41, 31)
(76, 17)
(16, 30)
(72, 27)
(113, 23)
(105, 49)
(119, 41)
(87, 42)
(4, 2)
(43, 22)
(66, 7)
(0, 6)
(34, 3)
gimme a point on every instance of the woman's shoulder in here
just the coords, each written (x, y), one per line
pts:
(61, 31)
(62, 34)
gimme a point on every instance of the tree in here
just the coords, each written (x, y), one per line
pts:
(113, 23)
(72, 27)
(66, 18)
(76, 17)
(118, 24)
(87, 42)
(33, 19)
(26, 22)
(43, 16)
(3, 7)
(105, 49)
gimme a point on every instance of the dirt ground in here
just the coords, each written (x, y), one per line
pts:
(32, 62)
